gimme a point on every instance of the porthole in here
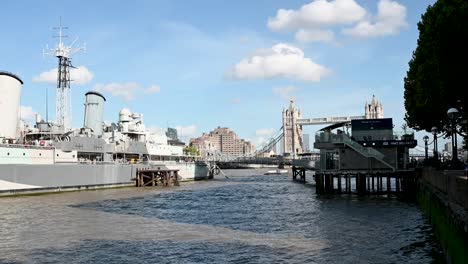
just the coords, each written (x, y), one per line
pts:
(40, 154)
(57, 155)
(24, 154)
(8, 153)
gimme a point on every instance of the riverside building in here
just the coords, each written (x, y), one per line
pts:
(224, 140)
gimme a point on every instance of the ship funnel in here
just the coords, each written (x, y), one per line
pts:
(94, 112)
(10, 92)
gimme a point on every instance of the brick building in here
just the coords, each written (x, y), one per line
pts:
(222, 139)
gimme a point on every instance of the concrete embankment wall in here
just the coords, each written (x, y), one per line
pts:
(443, 195)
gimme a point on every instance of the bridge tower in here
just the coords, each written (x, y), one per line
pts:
(292, 131)
(374, 109)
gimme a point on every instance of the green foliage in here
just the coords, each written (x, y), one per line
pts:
(438, 71)
(190, 150)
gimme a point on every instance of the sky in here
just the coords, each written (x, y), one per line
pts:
(196, 65)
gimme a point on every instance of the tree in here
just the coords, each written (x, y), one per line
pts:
(191, 150)
(437, 78)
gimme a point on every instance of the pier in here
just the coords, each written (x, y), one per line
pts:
(365, 182)
(299, 174)
(149, 177)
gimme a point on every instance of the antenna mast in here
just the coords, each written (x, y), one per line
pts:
(63, 98)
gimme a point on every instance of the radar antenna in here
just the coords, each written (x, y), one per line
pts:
(63, 99)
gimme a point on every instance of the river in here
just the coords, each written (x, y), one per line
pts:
(246, 218)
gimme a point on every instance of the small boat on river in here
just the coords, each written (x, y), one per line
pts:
(276, 172)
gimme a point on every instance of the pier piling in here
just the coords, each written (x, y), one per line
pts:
(299, 174)
(364, 182)
(150, 177)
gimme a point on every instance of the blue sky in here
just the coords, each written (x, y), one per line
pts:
(201, 64)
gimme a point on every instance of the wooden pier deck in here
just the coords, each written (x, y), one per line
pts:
(150, 177)
(359, 182)
(365, 182)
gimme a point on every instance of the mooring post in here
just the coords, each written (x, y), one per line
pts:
(349, 182)
(389, 185)
(139, 178)
(361, 179)
(346, 182)
(176, 177)
(397, 183)
(381, 183)
(327, 183)
(136, 178)
(317, 182)
(358, 183)
(339, 183)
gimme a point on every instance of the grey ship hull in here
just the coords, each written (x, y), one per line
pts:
(22, 179)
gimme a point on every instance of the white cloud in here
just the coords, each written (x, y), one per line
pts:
(79, 76)
(390, 19)
(285, 92)
(27, 112)
(263, 135)
(186, 132)
(124, 90)
(314, 35)
(282, 60)
(316, 14)
(265, 132)
(317, 20)
(153, 89)
(156, 130)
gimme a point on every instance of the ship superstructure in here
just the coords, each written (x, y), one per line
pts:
(49, 156)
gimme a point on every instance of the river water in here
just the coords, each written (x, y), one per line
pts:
(246, 218)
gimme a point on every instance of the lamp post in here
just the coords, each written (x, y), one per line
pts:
(426, 139)
(436, 151)
(452, 114)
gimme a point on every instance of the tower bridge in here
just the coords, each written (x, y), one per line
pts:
(290, 135)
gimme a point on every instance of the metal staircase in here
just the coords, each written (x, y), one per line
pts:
(367, 152)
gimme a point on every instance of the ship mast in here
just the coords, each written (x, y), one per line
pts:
(63, 97)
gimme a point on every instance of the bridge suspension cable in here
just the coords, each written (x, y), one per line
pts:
(270, 143)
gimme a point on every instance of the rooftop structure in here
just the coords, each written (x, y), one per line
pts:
(371, 146)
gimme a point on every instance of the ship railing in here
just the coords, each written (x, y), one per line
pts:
(26, 146)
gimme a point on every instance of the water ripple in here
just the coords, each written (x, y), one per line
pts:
(243, 219)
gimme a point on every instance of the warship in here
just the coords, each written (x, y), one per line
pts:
(51, 156)
(41, 157)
